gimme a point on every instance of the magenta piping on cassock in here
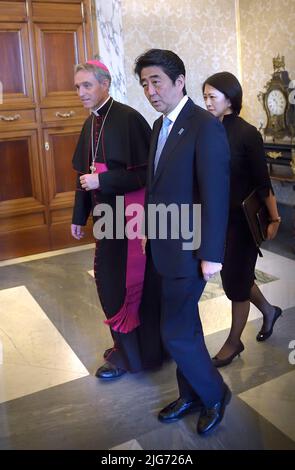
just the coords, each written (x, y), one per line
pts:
(127, 318)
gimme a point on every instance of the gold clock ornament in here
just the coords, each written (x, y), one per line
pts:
(276, 103)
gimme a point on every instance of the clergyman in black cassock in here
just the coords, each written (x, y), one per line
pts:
(116, 137)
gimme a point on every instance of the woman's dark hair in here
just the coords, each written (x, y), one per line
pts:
(230, 86)
(168, 61)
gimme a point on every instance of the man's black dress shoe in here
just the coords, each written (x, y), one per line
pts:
(210, 417)
(107, 352)
(224, 362)
(262, 336)
(178, 408)
(108, 372)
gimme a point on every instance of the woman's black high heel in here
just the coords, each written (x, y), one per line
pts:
(225, 362)
(262, 336)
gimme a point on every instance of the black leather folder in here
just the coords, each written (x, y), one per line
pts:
(257, 217)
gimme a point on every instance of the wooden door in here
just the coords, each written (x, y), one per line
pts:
(16, 74)
(60, 146)
(40, 121)
(23, 227)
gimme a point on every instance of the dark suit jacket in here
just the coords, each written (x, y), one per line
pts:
(193, 168)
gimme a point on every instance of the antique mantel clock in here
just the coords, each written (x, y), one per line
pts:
(276, 103)
(279, 132)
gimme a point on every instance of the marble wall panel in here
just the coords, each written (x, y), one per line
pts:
(111, 47)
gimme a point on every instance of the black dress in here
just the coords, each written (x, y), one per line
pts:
(248, 172)
(123, 147)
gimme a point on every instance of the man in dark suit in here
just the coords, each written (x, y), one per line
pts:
(188, 165)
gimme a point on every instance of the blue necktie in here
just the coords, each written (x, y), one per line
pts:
(161, 140)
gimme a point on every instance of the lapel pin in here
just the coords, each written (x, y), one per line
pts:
(181, 131)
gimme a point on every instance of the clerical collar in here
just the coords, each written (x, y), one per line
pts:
(96, 111)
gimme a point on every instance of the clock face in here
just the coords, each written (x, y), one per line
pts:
(276, 102)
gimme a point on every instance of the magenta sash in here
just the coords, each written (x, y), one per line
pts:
(127, 318)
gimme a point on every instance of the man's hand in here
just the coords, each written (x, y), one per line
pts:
(89, 181)
(209, 269)
(77, 231)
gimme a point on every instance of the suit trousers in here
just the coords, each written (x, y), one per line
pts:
(183, 337)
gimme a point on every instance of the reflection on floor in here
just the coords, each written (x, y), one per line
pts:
(36, 354)
(53, 337)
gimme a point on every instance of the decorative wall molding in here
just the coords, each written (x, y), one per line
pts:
(267, 29)
(202, 33)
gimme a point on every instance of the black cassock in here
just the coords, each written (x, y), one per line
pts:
(123, 147)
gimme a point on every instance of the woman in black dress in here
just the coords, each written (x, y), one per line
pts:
(223, 97)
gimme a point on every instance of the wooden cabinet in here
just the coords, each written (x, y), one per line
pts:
(40, 120)
(281, 159)
(15, 64)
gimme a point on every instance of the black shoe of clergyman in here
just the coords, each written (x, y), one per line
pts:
(210, 417)
(109, 372)
(178, 408)
(107, 352)
(263, 335)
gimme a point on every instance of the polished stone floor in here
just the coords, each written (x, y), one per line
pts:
(52, 338)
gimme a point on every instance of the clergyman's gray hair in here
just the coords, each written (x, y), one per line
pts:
(99, 73)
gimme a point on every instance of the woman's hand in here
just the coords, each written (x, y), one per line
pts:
(272, 230)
